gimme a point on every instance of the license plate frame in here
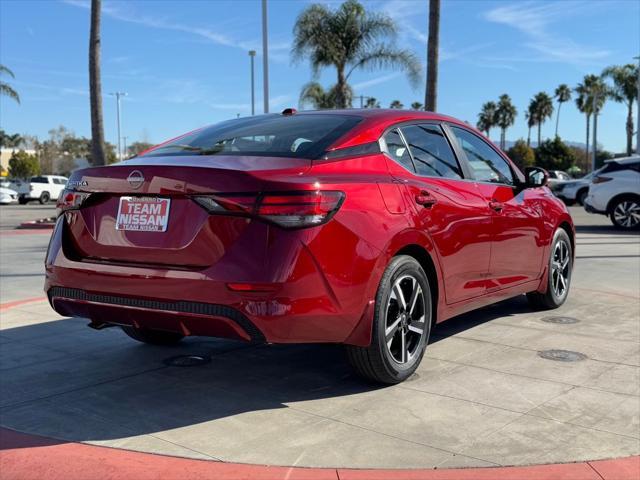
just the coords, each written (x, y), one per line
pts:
(143, 214)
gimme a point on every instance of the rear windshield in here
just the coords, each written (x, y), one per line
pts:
(39, 180)
(302, 136)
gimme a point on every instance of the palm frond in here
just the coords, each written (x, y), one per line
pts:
(9, 92)
(6, 70)
(386, 56)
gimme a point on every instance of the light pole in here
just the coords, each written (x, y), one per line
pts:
(118, 95)
(252, 55)
(638, 111)
(265, 57)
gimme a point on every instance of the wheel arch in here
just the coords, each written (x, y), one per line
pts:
(618, 197)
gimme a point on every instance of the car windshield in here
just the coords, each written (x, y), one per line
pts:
(302, 136)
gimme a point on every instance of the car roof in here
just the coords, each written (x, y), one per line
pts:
(624, 160)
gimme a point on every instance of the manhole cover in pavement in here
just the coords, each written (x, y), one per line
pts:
(187, 360)
(562, 355)
(560, 320)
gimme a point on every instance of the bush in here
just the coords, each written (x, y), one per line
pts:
(23, 165)
(521, 154)
(554, 155)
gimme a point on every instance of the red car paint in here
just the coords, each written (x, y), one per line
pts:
(244, 277)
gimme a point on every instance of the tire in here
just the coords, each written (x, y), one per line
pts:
(22, 201)
(44, 198)
(581, 196)
(560, 264)
(625, 212)
(153, 337)
(387, 361)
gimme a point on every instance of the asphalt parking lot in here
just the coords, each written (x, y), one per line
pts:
(489, 391)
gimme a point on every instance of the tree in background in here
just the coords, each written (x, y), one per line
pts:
(591, 96)
(313, 93)
(554, 155)
(522, 154)
(23, 165)
(542, 106)
(396, 104)
(487, 118)
(562, 94)
(625, 90)
(530, 116)
(349, 38)
(95, 86)
(433, 42)
(505, 117)
(10, 141)
(416, 106)
(372, 103)
(136, 148)
(6, 89)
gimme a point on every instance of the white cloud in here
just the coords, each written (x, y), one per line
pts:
(375, 81)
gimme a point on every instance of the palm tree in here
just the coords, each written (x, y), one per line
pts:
(530, 115)
(416, 106)
(98, 154)
(397, 104)
(348, 39)
(320, 98)
(372, 103)
(487, 118)
(590, 100)
(543, 105)
(433, 41)
(562, 94)
(505, 117)
(625, 90)
(5, 88)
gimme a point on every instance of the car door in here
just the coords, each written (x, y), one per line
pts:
(517, 223)
(445, 204)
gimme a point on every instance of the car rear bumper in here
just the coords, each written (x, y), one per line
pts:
(302, 302)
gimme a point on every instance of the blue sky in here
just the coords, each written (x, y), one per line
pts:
(184, 64)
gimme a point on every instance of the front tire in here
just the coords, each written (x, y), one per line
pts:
(153, 337)
(401, 325)
(44, 198)
(559, 267)
(625, 213)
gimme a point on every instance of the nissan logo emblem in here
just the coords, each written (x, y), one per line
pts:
(135, 179)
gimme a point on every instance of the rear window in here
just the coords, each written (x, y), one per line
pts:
(304, 136)
(39, 180)
(616, 167)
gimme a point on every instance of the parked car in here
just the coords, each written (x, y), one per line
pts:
(8, 196)
(361, 227)
(556, 177)
(42, 188)
(573, 191)
(615, 191)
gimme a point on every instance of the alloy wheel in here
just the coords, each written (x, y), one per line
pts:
(405, 319)
(560, 268)
(627, 214)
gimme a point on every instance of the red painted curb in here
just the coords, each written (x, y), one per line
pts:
(36, 225)
(27, 457)
(17, 303)
(26, 231)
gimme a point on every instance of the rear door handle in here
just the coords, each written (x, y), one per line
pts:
(425, 199)
(496, 205)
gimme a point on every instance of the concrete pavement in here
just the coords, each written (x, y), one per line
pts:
(483, 395)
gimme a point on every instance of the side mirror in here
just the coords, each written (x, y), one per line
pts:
(535, 177)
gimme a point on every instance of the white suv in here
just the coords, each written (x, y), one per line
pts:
(42, 188)
(615, 191)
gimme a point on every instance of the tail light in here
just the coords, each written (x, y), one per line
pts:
(289, 209)
(70, 200)
(599, 179)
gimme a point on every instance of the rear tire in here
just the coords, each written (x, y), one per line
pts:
(401, 325)
(22, 201)
(560, 266)
(153, 337)
(625, 212)
(44, 198)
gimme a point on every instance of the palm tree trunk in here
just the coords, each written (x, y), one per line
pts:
(430, 100)
(558, 117)
(629, 128)
(529, 137)
(539, 133)
(341, 97)
(98, 156)
(586, 155)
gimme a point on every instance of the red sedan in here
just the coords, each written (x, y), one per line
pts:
(361, 227)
